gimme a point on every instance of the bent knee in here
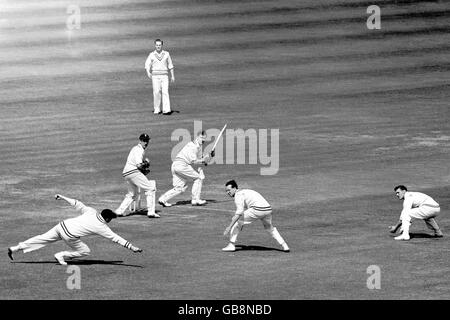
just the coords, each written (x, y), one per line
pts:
(181, 188)
(149, 187)
(267, 225)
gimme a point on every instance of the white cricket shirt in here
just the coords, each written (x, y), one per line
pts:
(159, 63)
(135, 157)
(189, 153)
(417, 199)
(246, 198)
(90, 222)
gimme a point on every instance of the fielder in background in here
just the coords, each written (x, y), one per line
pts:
(135, 171)
(419, 206)
(182, 171)
(90, 222)
(250, 206)
(159, 65)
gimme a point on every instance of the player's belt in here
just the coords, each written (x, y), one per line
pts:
(160, 73)
(262, 208)
(431, 205)
(130, 172)
(66, 231)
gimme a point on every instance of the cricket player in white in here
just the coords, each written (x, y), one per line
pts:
(90, 222)
(136, 179)
(159, 65)
(182, 171)
(416, 205)
(250, 206)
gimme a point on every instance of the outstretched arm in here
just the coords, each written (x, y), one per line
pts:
(72, 202)
(239, 212)
(235, 218)
(106, 232)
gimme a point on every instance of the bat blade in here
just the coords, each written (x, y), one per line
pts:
(218, 137)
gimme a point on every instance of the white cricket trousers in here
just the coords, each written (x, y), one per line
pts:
(424, 212)
(181, 173)
(160, 85)
(250, 215)
(79, 248)
(134, 182)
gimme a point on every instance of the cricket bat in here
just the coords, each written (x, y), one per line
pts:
(217, 140)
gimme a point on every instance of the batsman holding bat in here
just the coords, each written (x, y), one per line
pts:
(182, 171)
(134, 173)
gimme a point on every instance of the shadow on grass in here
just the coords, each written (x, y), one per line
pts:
(255, 248)
(422, 236)
(419, 235)
(170, 112)
(82, 263)
(142, 212)
(188, 202)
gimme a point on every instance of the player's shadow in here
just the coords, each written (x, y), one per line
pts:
(422, 236)
(255, 248)
(83, 263)
(188, 202)
(142, 212)
(171, 112)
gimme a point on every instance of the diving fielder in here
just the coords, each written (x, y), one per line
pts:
(90, 222)
(159, 65)
(182, 171)
(134, 174)
(416, 205)
(250, 206)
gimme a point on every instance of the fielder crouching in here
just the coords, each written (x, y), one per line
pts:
(416, 205)
(90, 222)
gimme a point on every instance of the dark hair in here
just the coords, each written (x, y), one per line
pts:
(159, 40)
(144, 137)
(401, 187)
(108, 214)
(232, 183)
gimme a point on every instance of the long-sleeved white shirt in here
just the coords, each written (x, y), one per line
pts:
(135, 157)
(159, 63)
(417, 199)
(246, 198)
(90, 222)
(190, 153)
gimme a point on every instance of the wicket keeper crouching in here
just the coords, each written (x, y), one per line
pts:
(136, 180)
